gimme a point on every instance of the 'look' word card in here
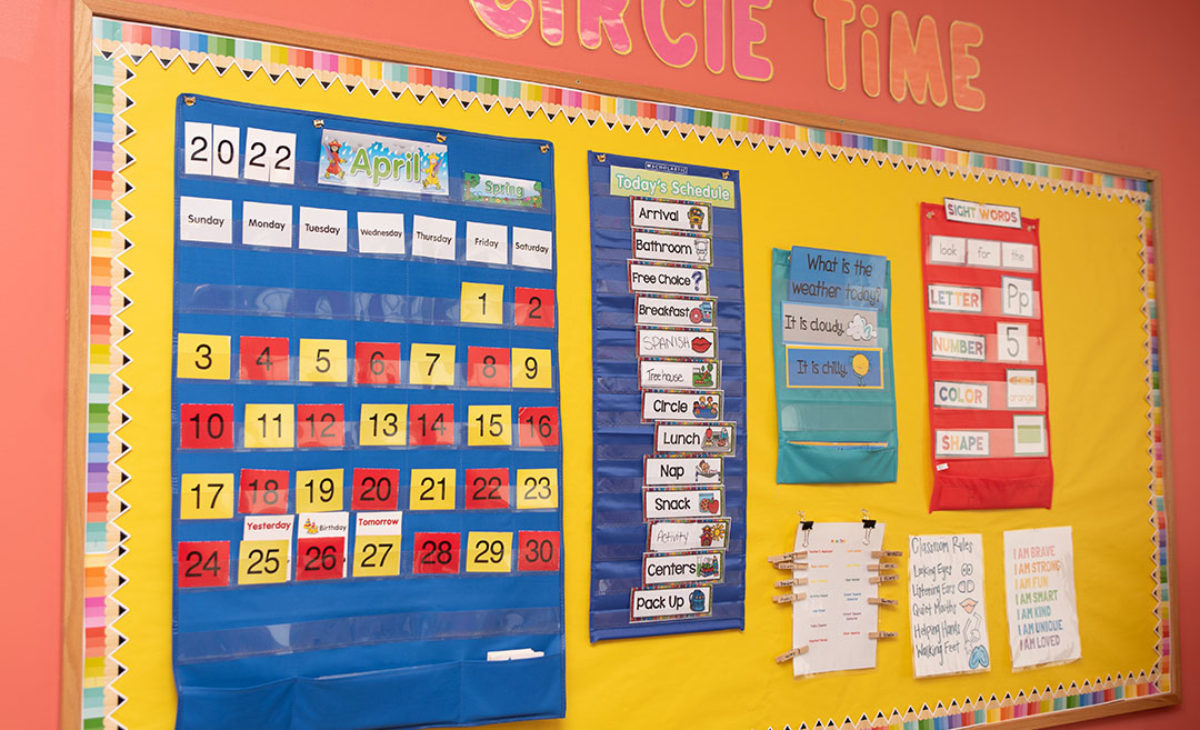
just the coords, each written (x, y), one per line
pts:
(367, 455)
(1039, 572)
(988, 400)
(835, 619)
(947, 611)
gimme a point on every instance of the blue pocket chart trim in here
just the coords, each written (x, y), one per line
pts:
(404, 643)
(621, 532)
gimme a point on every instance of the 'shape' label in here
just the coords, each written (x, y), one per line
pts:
(648, 604)
(698, 534)
(962, 443)
(673, 406)
(667, 279)
(660, 568)
(663, 215)
(709, 438)
(960, 395)
(661, 504)
(704, 375)
(812, 323)
(677, 343)
(945, 298)
(674, 470)
(958, 346)
(675, 311)
(672, 247)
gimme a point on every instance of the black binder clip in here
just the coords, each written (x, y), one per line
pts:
(806, 527)
(868, 526)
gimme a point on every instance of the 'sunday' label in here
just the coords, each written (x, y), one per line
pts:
(675, 406)
(676, 374)
(380, 233)
(962, 443)
(834, 367)
(663, 215)
(630, 181)
(647, 604)
(666, 279)
(708, 438)
(480, 188)
(660, 504)
(675, 311)
(660, 471)
(353, 160)
(669, 535)
(813, 323)
(205, 219)
(946, 298)
(958, 346)
(658, 568)
(379, 523)
(672, 247)
(266, 224)
(677, 343)
(960, 395)
(532, 247)
(966, 211)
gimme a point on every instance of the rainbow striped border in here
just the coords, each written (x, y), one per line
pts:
(115, 40)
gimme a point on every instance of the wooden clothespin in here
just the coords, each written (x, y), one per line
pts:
(789, 597)
(791, 654)
(883, 601)
(884, 578)
(881, 635)
(798, 555)
(876, 567)
(791, 582)
(887, 553)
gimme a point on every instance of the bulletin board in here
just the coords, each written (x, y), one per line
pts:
(798, 186)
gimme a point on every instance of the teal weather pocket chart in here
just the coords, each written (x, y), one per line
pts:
(366, 461)
(834, 382)
(668, 353)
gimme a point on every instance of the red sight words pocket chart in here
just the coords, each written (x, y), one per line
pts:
(988, 396)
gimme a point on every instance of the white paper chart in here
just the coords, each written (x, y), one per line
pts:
(947, 611)
(1039, 569)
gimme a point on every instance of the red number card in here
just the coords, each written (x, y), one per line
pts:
(375, 489)
(487, 488)
(489, 367)
(436, 553)
(534, 307)
(537, 551)
(537, 426)
(263, 358)
(263, 492)
(320, 558)
(431, 424)
(320, 426)
(203, 564)
(206, 426)
(377, 363)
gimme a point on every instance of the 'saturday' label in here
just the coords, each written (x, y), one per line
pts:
(660, 568)
(669, 603)
(711, 438)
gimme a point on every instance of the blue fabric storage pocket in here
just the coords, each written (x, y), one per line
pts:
(391, 698)
(519, 688)
(841, 462)
(263, 707)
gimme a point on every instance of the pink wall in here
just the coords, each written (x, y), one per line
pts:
(1102, 79)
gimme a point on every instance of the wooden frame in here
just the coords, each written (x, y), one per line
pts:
(71, 672)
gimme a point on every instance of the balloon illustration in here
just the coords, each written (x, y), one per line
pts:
(861, 366)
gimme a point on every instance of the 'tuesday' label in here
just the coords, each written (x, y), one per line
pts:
(703, 375)
(962, 443)
(667, 279)
(266, 224)
(675, 311)
(813, 323)
(958, 346)
(662, 504)
(669, 535)
(663, 215)
(648, 604)
(677, 343)
(672, 247)
(710, 438)
(966, 211)
(660, 568)
(672, 406)
(668, 471)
